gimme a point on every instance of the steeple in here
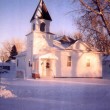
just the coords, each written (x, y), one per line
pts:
(41, 12)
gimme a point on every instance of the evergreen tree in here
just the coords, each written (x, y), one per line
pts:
(13, 53)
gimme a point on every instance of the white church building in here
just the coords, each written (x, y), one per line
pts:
(55, 57)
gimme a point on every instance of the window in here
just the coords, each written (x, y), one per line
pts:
(17, 62)
(88, 63)
(34, 27)
(42, 27)
(33, 65)
(30, 65)
(69, 61)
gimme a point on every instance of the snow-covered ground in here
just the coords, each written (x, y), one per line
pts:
(54, 94)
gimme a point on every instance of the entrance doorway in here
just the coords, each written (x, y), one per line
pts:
(47, 68)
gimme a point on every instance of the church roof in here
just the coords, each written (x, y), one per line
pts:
(66, 41)
(41, 12)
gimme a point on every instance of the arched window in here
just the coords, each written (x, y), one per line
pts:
(42, 27)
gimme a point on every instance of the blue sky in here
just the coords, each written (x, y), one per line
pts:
(15, 17)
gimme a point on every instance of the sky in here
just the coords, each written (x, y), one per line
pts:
(15, 17)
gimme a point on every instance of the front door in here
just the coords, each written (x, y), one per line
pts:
(46, 68)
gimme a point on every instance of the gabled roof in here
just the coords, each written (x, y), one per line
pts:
(46, 55)
(43, 12)
(65, 41)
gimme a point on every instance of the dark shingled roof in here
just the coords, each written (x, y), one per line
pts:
(44, 12)
(66, 41)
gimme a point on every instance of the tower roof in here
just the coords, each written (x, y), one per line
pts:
(41, 12)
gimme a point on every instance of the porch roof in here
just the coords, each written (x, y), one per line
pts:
(46, 56)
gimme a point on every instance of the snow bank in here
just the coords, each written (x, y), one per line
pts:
(6, 93)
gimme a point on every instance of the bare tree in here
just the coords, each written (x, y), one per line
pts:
(100, 8)
(3, 55)
(78, 36)
(20, 44)
(94, 22)
(6, 48)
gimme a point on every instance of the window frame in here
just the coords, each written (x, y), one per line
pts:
(17, 63)
(88, 63)
(42, 27)
(69, 61)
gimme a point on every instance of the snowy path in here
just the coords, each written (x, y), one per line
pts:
(56, 94)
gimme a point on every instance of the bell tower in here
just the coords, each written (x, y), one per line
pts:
(39, 40)
(40, 21)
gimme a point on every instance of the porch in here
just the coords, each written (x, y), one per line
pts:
(44, 66)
